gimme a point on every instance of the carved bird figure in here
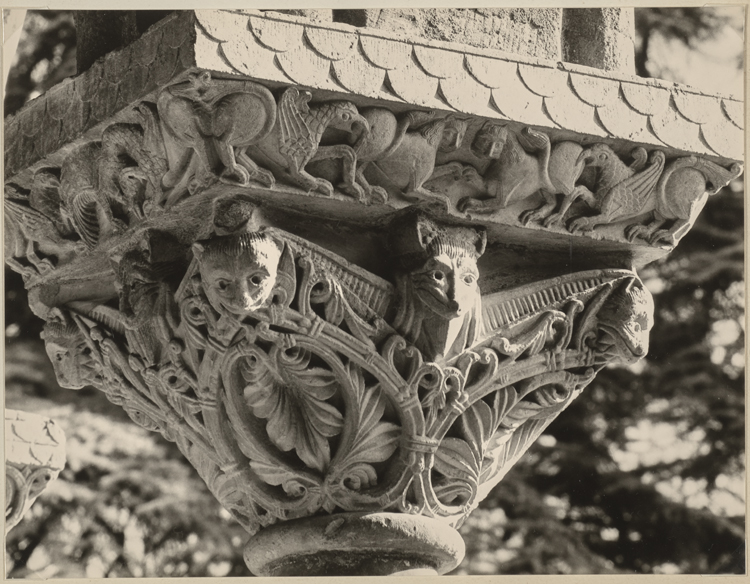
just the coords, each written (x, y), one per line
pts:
(680, 196)
(296, 138)
(620, 192)
(86, 208)
(35, 224)
(210, 118)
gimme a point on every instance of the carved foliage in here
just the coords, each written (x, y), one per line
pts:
(294, 381)
(292, 394)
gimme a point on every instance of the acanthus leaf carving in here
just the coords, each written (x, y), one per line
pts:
(292, 396)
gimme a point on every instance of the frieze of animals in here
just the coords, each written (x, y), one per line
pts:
(207, 131)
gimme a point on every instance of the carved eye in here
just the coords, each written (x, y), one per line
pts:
(346, 116)
(256, 280)
(469, 279)
(438, 275)
(602, 157)
(60, 356)
(222, 285)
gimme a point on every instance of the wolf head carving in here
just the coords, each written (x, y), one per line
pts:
(238, 272)
(439, 306)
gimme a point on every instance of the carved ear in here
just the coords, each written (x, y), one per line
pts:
(426, 232)
(198, 250)
(286, 278)
(481, 241)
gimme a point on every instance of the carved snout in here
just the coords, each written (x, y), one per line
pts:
(360, 130)
(585, 157)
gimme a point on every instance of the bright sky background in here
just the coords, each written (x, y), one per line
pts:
(712, 67)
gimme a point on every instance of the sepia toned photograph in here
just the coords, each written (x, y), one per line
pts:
(373, 292)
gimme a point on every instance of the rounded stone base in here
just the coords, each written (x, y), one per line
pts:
(355, 544)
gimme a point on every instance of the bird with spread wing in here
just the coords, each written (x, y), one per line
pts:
(34, 225)
(621, 192)
(296, 141)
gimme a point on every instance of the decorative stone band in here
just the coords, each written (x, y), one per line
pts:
(34, 456)
(374, 64)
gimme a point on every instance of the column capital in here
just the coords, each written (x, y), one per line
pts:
(349, 274)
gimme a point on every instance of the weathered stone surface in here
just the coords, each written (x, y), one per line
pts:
(599, 37)
(353, 544)
(378, 65)
(99, 32)
(341, 302)
(34, 456)
(534, 32)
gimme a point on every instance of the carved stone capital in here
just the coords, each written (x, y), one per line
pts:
(34, 456)
(339, 304)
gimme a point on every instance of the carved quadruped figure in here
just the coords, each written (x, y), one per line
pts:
(132, 190)
(518, 166)
(439, 303)
(403, 152)
(69, 353)
(238, 272)
(621, 191)
(295, 141)
(211, 119)
(680, 195)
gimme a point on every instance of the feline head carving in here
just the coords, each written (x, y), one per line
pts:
(238, 271)
(453, 133)
(490, 141)
(599, 155)
(70, 355)
(440, 302)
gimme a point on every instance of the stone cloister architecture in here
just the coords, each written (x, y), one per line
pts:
(354, 273)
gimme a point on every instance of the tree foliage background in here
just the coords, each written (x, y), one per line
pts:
(642, 474)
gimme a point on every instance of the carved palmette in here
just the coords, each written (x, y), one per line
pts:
(313, 403)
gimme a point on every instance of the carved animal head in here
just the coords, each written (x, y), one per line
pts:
(625, 320)
(440, 303)
(70, 355)
(238, 272)
(598, 155)
(490, 141)
(453, 133)
(196, 86)
(346, 117)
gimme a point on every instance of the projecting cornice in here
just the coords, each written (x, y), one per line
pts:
(374, 64)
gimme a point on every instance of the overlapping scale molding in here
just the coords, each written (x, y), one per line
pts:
(479, 82)
(374, 64)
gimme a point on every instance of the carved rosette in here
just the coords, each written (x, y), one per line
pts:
(34, 456)
(309, 297)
